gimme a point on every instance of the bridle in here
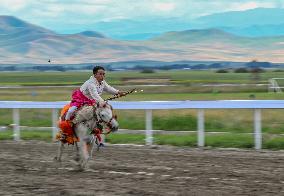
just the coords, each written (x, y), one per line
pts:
(100, 119)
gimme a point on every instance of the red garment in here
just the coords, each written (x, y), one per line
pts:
(98, 133)
(79, 99)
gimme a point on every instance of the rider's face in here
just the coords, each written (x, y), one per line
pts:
(100, 75)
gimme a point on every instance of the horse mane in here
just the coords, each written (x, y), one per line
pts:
(85, 113)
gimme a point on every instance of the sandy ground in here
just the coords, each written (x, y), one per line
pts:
(27, 168)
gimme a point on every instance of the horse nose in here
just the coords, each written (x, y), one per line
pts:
(114, 126)
(114, 129)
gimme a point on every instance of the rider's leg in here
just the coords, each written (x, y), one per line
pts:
(98, 131)
(70, 112)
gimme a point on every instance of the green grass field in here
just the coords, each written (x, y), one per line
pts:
(189, 86)
(179, 76)
(222, 140)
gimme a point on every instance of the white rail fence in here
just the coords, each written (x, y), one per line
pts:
(149, 106)
(273, 85)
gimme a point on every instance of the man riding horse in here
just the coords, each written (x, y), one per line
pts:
(89, 94)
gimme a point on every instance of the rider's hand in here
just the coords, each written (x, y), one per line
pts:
(102, 103)
(121, 93)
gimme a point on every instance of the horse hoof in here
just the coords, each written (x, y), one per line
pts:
(84, 166)
(77, 159)
(75, 162)
(56, 159)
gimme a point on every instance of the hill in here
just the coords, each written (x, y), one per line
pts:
(23, 43)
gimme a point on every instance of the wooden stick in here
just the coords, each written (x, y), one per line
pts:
(118, 96)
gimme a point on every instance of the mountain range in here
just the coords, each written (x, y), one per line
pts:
(259, 22)
(23, 43)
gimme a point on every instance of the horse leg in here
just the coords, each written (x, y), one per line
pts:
(85, 155)
(81, 132)
(92, 146)
(77, 156)
(59, 152)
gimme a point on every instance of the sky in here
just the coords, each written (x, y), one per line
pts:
(71, 16)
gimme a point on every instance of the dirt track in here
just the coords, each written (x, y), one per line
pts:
(27, 168)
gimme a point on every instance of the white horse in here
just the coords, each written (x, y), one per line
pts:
(86, 120)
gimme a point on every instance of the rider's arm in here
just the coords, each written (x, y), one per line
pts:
(110, 89)
(94, 93)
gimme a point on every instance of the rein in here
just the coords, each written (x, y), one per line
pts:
(107, 123)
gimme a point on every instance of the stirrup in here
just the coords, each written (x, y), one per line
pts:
(99, 144)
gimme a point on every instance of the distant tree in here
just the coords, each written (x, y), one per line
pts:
(147, 71)
(241, 70)
(257, 70)
(222, 71)
(49, 68)
(278, 70)
(165, 67)
(139, 67)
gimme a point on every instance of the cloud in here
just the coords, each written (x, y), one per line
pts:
(247, 6)
(164, 6)
(14, 5)
(113, 9)
(52, 11)
(88, 12)
(251, 5)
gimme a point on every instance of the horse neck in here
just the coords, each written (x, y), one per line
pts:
(92, 123)
(84, 114)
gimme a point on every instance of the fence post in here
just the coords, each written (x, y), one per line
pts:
(149, 129)
(200, 127)
(257, 129)
(54, 122)
(16, 121)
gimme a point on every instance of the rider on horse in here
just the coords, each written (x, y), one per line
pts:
(88, 94)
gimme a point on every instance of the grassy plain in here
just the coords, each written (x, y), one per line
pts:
(188, 85)
(178, 76)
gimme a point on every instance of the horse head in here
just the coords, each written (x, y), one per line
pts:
(105, 114)
(101, 114)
